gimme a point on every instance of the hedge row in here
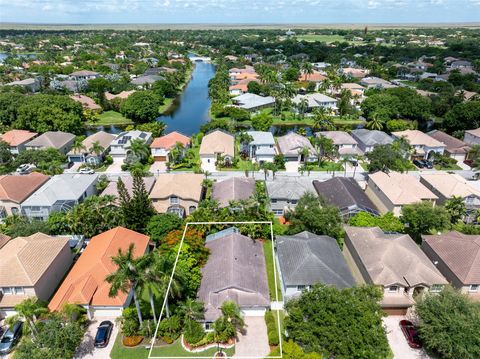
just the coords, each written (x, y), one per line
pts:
(272, 329)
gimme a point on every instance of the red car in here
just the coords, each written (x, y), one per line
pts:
(410, 333)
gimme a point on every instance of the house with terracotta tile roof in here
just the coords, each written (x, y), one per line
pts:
(87, 103)
(394, 262)
(389, 192)
(178, 193)
(161, 146)
(14, 190)
(423, 145)
(85, 284)
(457, 257)
(122, 95)
(32, 267)
(316, 77)
(17, 139)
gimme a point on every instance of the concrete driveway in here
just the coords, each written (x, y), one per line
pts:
(254, 344)
(86, 348)
(291, 166)
(397, 341)
(158, 167)
(116, 166)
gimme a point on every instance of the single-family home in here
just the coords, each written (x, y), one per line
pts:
(455, 148)
(472, 137)
(253, 102)
(60, 193)
(285, 192)
(457, 257)
(236, 271)
(292, 145)
(95, 147)
(84, 75)
(448, 185)
(16, 189)
(17, 139)
(122, 95)
(376, 82)
(31, 84)
(305, 259)
(424, 146)
(112, 188)
(161, 146)
(354, 88)
(120, 146)
(87, 103)
(85, 284)
(316, 100)
(346, 194)
(233, 189)
(262, 148)
(394, 262)
(367, 140)
(391, 191)
(61, 141)
(316, 77)
(215, 144)
(345, 144)
(32, 267)
(351, 72)
(178, 193)
(147, 80)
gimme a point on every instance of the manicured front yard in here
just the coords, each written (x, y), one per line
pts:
(174, 350)
(111, 118)
(267, 250)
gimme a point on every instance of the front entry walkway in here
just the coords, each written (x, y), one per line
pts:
(254, 344)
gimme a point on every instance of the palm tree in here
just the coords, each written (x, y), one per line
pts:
(302, 106)
(127, 275)
(375, 122)
(357, 159)
(29, 310)
(192, 310)
(139, 149)
(96, 148)
(307, 69)
(78, 146)
(321, 120)
(304, 153)
(231, 313)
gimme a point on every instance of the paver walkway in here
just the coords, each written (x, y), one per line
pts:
(254, 344)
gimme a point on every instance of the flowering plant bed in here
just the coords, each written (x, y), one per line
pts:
(132, 341)
(192, 348)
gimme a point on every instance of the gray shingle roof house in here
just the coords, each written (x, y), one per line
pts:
(457, 257)
(262, 148)
(346, 194)
(292, 143)
(233, 189)
(60, 193)
(284, 193)
(252, 102)
(305, 259)
(393, 261)
(456, 148)
(235, 271)
(103, 138)
(368, 139)
(59, 140)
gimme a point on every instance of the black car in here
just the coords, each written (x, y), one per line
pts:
(428, 164)
(419, 163)
(104, 331)
(10, 338)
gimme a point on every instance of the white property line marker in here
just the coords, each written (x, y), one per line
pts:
(170, 283)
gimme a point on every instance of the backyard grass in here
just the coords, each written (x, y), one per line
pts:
(174, 350)
(111, 118)
(267, 250)
(166, 105)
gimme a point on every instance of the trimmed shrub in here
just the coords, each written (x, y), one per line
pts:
(193, 332)
(273, 339)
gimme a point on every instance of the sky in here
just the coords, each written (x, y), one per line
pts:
(239, 11)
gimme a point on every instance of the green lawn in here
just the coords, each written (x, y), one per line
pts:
(166, 105)
(321, 38)
(451, 167)
(111, 118)
(140, 352)
(328, 166)
(267, 250)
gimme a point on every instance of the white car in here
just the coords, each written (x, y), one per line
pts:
(25, 168)
(86, 171)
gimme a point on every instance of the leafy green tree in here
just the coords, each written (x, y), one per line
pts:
(343, 323)
(161, 224)
(423, 218)
(48, 161)
(313, 214)
(387, 157)
(324, 147)
(20, 226)
(155, 127)
(262, 122)
(142, 106)
(129, 272)
(463, 116)
(388, 222)
(30, 310)
(449, 325)
(231, 322)
(6, 157)
(455, 206)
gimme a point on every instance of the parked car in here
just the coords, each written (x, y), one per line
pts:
(104, 331)
(86, 170)
(419, 163)
(11, 337)
(26, 168)
(428, 164)
(410, 333)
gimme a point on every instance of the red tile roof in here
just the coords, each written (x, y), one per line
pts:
(170, 140)
(17, 137)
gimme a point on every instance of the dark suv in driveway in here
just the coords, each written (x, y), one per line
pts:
(10, 338)
(103, 334)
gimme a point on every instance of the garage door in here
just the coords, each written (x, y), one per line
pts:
(160, 158)
(253, 312)
(395, 311)
(107, 312)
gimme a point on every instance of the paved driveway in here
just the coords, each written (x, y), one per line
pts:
(254, 344)
(116, 166)
(397, 341)
(158, 167)
(291, 166)
(86, 348)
